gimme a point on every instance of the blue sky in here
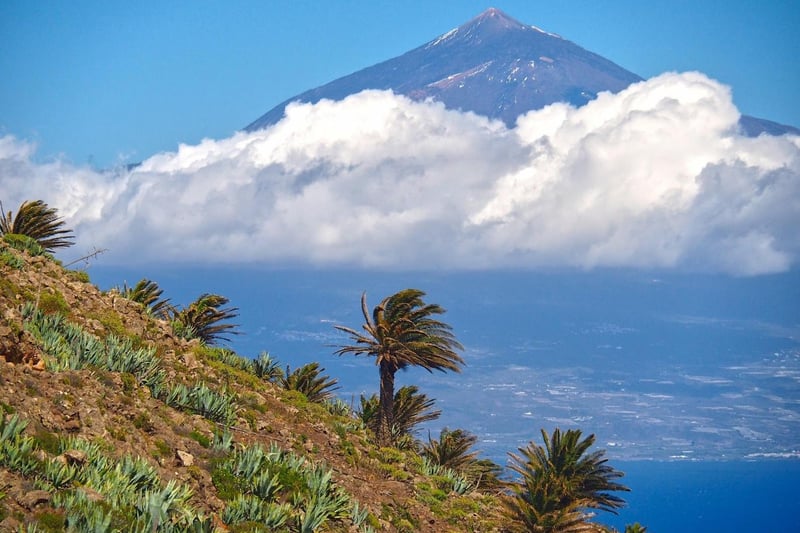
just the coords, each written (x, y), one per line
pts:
(104, 82)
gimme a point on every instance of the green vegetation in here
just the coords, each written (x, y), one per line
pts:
(401, 333)
(309, 380)
(38, 221)
(254, 480)
(53, 302)
(147, 293)
(204, 319)
(9, 259)
(23, 243)
(411, 408)
(559, 483)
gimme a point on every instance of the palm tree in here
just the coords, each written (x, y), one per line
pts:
(400, 333)
(40, 222)
(203, 318)
(560, 482)
(411, 408)
(453, 449)
(147, 293)
(310, 380)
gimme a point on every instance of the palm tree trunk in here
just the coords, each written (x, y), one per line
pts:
(386, 411)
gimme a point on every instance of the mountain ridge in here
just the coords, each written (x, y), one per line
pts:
(495, 66)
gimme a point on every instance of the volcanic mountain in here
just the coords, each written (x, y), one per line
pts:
(494, 66)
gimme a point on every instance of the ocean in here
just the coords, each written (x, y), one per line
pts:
(710, 496)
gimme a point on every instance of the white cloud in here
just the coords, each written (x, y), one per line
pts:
(655, 176)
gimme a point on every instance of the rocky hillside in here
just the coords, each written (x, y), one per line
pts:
(112, 422)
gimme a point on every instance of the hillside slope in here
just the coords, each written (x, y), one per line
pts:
(76, 459)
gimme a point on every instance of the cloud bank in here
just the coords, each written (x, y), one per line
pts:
(654, 176)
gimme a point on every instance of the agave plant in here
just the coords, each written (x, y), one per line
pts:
(216, 406)
(204, 319)
(16, 449)
(57, 475)
(325, 501)
(310, 380)
(267, 367)
(40, 222)
(243, 508)
(70, 347)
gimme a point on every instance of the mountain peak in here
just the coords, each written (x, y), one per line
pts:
(490, 24)
(497, 18)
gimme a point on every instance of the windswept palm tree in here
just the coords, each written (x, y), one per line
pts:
(147, 293)
(40, 222)
(561, 482)
(411, 408)
(203, 319)
(402, 332)
(453, 450)
(310, 380)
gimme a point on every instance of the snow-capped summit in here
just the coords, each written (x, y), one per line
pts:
(492, 65)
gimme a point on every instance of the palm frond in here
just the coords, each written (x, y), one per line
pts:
(560, 482)
(38, 221)
(147, 293)
(451, 449)
(411, 408)
(310, 380)
(205, 318)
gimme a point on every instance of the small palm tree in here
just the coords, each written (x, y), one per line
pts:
(203, 319)
(559, 483)
(635, 528)
(147, 293)
(453, 449)
(310, 380)
(40, 222)
(411, 408)
(402, 332)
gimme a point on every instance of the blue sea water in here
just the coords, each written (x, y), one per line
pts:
(710, 496)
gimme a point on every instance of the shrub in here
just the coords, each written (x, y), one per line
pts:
(53, 302)
(23, 243)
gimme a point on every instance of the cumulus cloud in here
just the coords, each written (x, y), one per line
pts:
(654, 176)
